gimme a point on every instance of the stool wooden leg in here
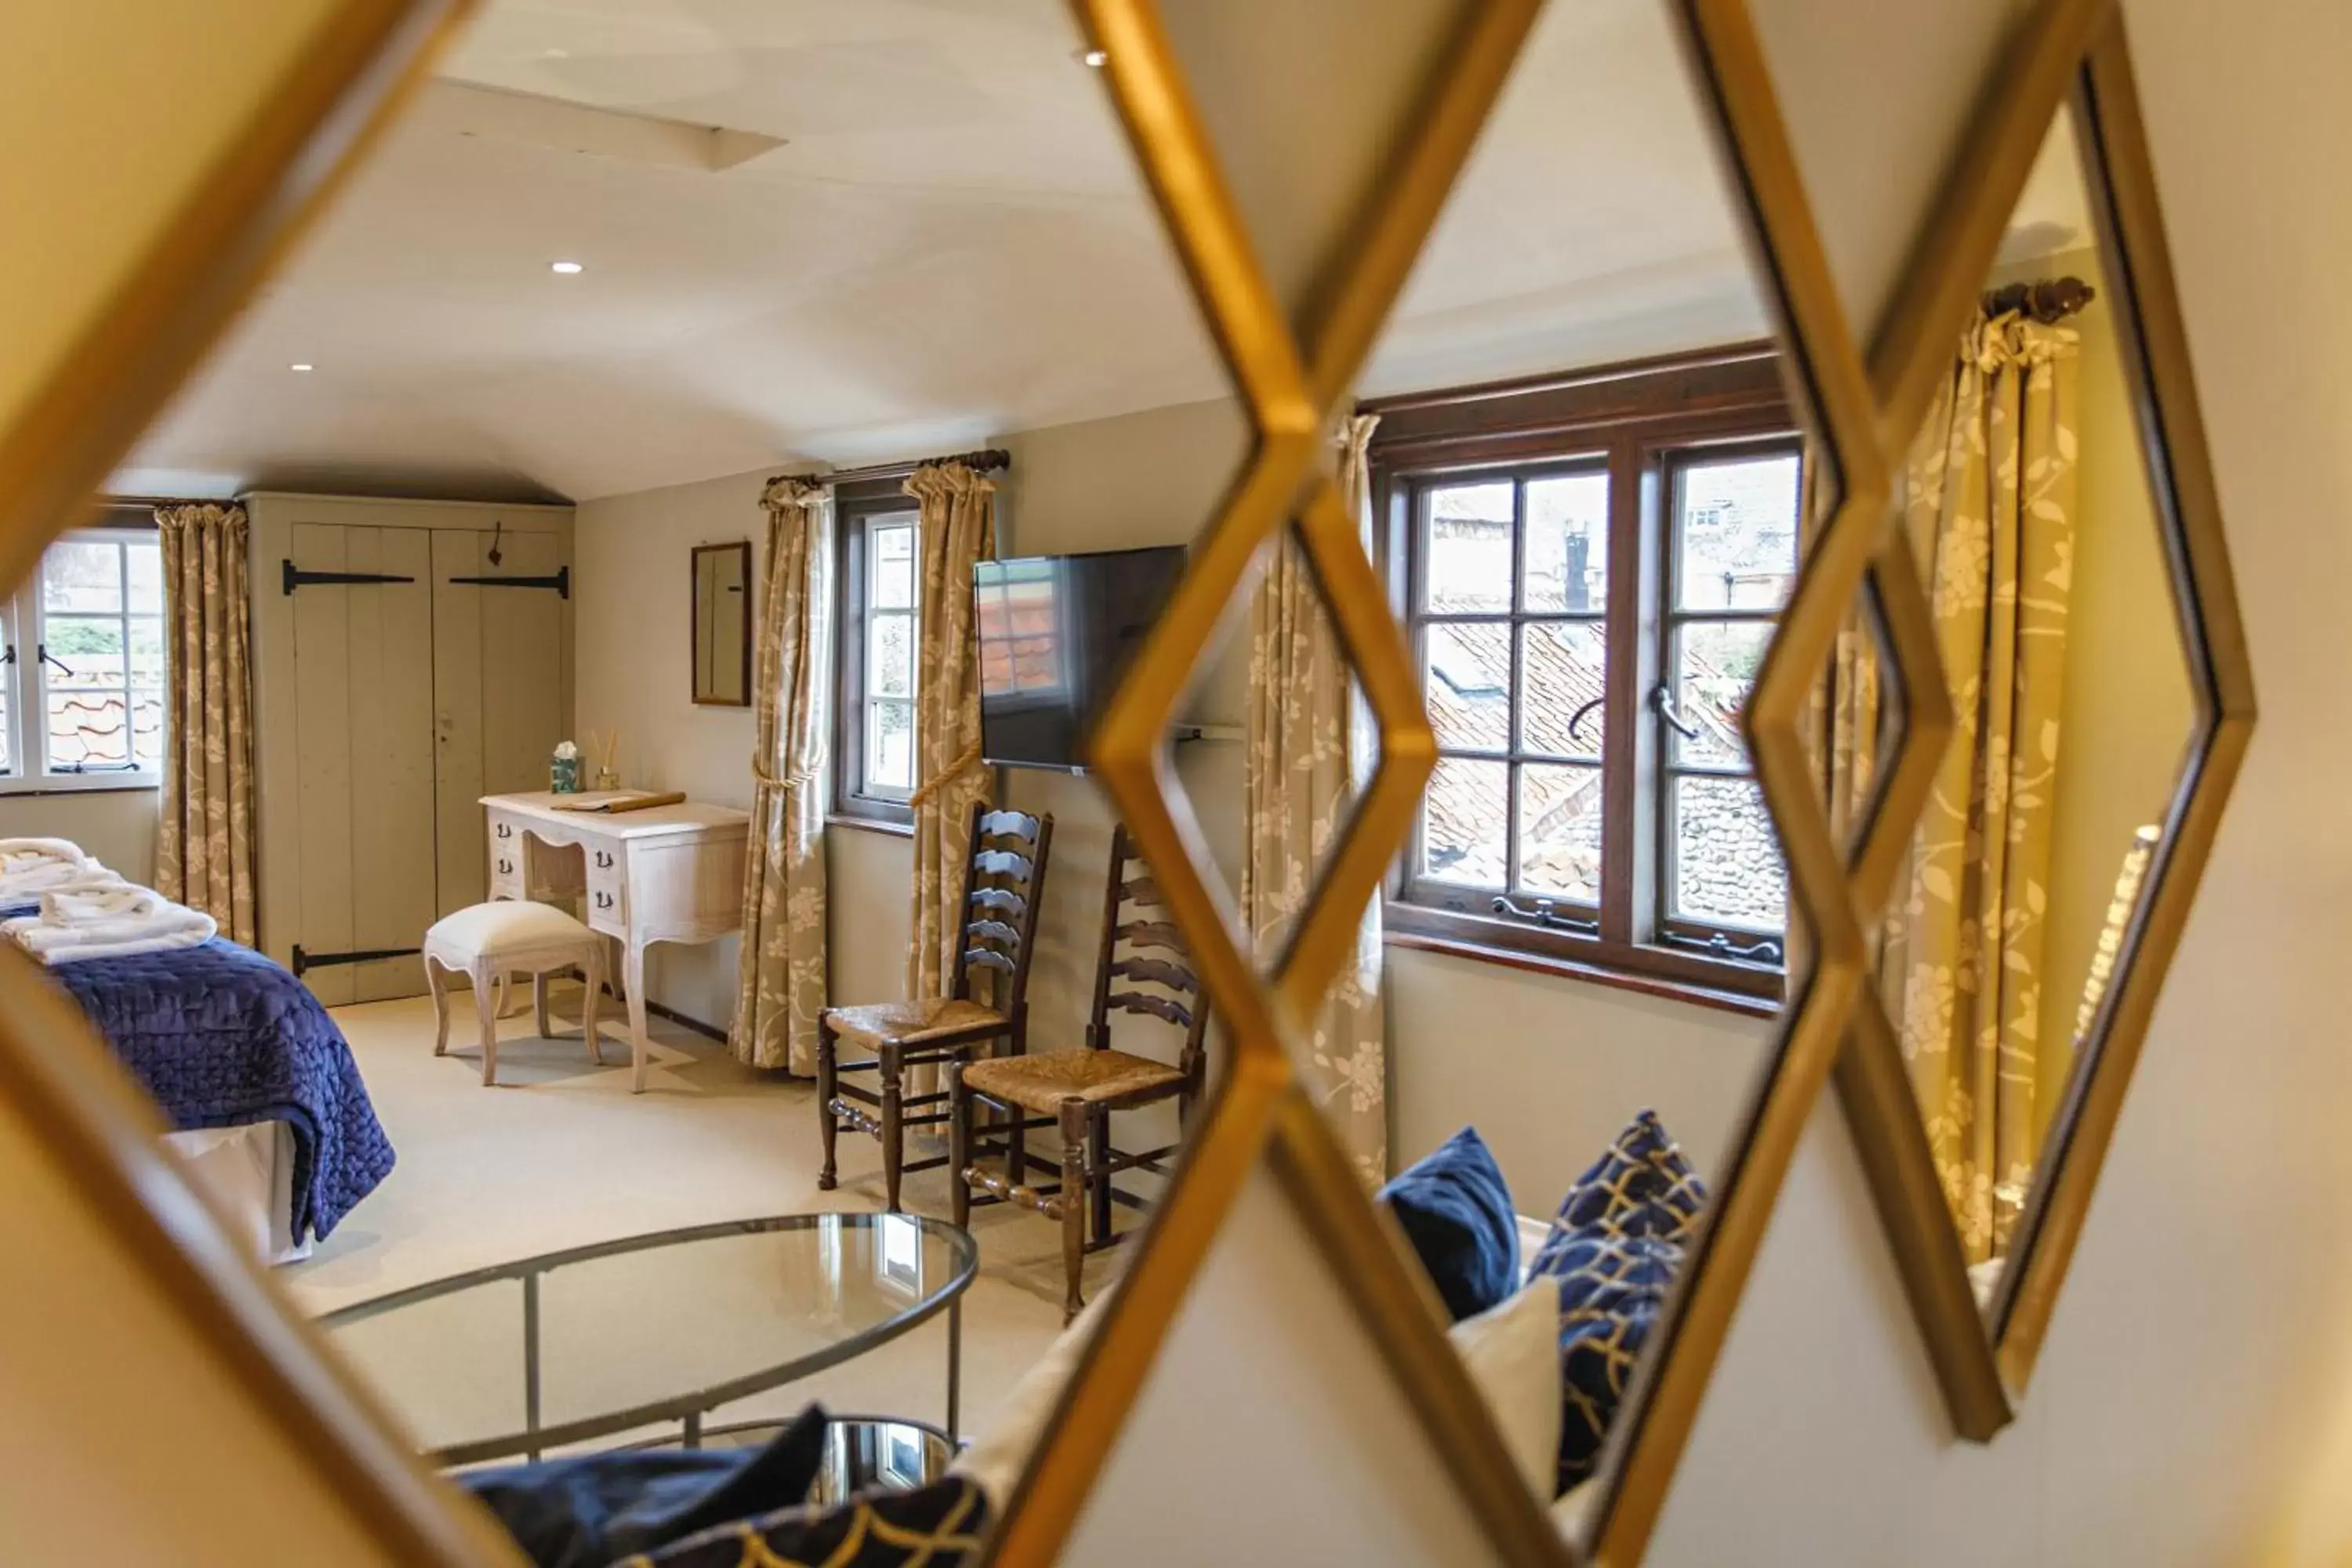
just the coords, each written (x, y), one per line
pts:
(539, 1006)
(486, 1005)
(593, 972)
(959, 1145)
(1073, 1203)
(894, 1132)
(437, 980)
(827, 1049)
(1098, 1197)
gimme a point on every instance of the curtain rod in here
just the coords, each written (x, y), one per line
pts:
(2047, 300)
(985, 460)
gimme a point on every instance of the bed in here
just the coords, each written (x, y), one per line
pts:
(272, 1118)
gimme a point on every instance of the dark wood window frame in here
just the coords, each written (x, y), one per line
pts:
(1643, 421)
(855, 506)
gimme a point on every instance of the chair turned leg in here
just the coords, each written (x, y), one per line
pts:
(539, 1006)
(894, 1132)
(437, 980)
(827, 1052)
(1016, 1147)
(486, 1003)
(1073, 1203)
(592, 974)
(959, 1145)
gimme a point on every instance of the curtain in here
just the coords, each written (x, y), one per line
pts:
(1990, 498)
(204, 844)
(781, 978)
(1308, 743)
(956, 513)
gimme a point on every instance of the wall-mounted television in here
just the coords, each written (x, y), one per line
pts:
(1057, 632)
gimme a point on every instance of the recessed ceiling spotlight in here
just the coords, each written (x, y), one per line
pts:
(1094, 59)
(566, 268)
(302, 369)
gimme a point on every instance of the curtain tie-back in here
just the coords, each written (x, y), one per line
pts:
(794, 779)
(965, 761)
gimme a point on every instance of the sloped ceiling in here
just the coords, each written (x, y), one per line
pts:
(949, 244)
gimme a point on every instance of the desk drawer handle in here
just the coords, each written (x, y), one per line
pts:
(506, 867)
(603, 900)
(603, 859)
(506, 830)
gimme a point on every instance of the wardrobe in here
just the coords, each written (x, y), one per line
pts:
(409, 657)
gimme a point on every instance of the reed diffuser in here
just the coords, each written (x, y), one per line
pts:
(608, 758)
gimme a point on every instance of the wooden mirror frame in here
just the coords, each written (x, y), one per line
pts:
(1291, 384)
(741, 550)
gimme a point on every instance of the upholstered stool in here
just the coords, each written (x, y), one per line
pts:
(490, 941)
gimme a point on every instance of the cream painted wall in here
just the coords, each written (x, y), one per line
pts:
(118, 826)
(2193, 1402)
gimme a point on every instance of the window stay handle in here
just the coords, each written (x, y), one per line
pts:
(48, 657)
(1662, 701)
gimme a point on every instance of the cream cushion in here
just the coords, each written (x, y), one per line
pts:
(1512, 1353)
(508, 925)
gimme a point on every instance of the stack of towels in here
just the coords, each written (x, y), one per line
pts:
(86, 911)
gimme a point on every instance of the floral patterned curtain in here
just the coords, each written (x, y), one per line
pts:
(956, 508)
(1306, 745)
(781, 981)
(1990, 496)
(204, 844)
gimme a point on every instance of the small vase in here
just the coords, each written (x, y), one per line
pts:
(563, 775)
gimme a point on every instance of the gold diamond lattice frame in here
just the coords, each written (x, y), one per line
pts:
(2069, 49)
(1290, 387)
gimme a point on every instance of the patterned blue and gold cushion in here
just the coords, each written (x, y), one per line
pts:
(938, 1526)
(1641, 1186)
(1615, 1248)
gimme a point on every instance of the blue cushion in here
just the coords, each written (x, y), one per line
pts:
(1454, 1208)
(584, 1512)
(1616, 1249)
(937, 1526)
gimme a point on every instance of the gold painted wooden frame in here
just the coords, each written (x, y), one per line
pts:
(240, 219)
(2070, 50)
(1290, 388)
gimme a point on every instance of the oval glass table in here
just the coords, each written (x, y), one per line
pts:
(509, 1361)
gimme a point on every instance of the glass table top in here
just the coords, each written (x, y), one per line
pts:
(569, 1346)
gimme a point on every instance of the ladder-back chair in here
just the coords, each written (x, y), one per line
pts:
(1076, 1091)
(1003, 884)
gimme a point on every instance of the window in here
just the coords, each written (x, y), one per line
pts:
(875, 670)
(1590, 571)
(82, 703)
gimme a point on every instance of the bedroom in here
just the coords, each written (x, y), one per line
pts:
(631, 294)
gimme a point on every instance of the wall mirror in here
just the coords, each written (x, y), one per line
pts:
(2061, 518)
(722, 624)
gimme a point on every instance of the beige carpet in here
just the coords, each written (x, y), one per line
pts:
(561, 1154)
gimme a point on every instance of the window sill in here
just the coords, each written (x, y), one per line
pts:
(1656, 985)
(69, 784)
(871, 825)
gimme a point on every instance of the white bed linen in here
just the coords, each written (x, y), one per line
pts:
(247, 1173)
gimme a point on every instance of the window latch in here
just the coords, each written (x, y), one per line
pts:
(1661, 700)
(1547, 914)
(1577, 719)
(10, 655)
(47, 657)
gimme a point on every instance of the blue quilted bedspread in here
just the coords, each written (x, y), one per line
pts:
(222, 1035)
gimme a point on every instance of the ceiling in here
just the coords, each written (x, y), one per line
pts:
(849, 230)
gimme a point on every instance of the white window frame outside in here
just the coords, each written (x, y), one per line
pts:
(23, 625)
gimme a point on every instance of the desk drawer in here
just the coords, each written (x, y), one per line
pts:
(506, 869)
(608, 888)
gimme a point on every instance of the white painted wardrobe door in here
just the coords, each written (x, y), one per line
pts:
(523, 710)
(392, 758)
(458, 719)
(362, 676)
(322, 769)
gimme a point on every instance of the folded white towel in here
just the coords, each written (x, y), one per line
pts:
(95, 899)
(149, 924)
(13, 850)
(25, 876)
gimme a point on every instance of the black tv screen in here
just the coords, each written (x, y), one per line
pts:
(1057, 632)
